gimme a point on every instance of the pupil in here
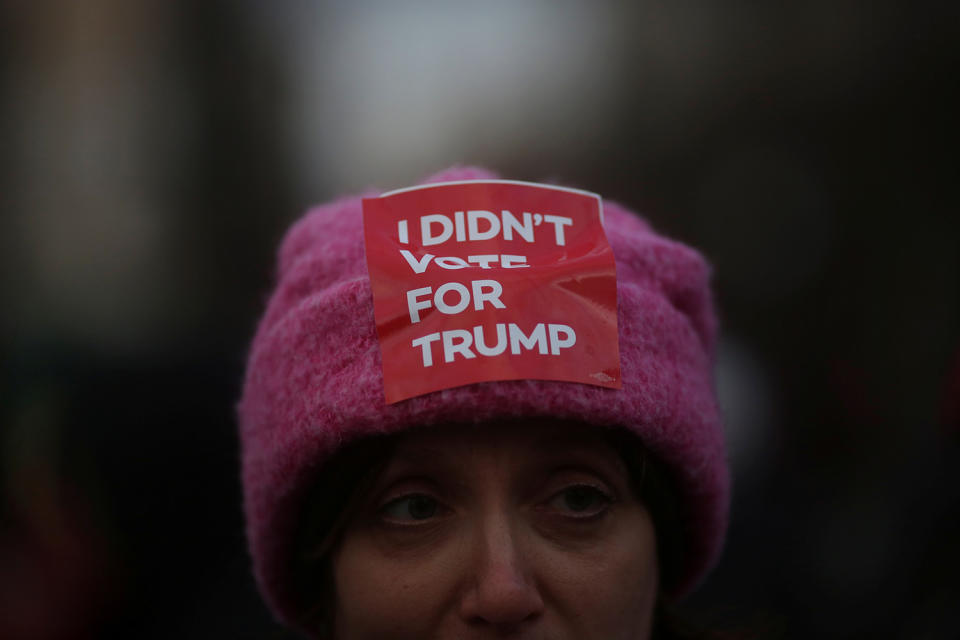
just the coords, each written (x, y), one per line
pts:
(422, 507)
(579, 498)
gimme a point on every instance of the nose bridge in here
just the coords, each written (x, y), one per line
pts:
(499, 552)
(503, 590)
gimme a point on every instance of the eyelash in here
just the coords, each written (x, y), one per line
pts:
(597, 494)
(384, 510)
(436, 508)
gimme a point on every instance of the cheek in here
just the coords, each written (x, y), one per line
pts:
(609, 592)
(380, 597)
(606, 589)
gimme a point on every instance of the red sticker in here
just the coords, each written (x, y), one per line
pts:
(491, 280)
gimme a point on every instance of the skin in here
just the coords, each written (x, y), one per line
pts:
(503, 531)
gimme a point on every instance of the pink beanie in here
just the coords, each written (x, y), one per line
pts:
(314, 382)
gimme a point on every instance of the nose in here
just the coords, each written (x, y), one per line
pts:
(503, 593)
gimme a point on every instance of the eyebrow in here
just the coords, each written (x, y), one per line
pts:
(573, 455)
(418, 459)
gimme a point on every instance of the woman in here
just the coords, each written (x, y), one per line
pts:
(517, 508)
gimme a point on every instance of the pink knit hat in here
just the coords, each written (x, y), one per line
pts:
(314, 382)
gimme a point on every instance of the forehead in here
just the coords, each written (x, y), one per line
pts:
(528, 440)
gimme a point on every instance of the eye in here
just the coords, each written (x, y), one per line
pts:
(411, 508)
(581, 501)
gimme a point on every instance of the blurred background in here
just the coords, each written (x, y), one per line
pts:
(153, 153)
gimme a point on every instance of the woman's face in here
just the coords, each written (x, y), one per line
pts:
(520, 531)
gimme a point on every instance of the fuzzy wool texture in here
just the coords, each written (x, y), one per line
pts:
(314, 382)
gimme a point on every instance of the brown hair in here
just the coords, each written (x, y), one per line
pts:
(330, 504)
